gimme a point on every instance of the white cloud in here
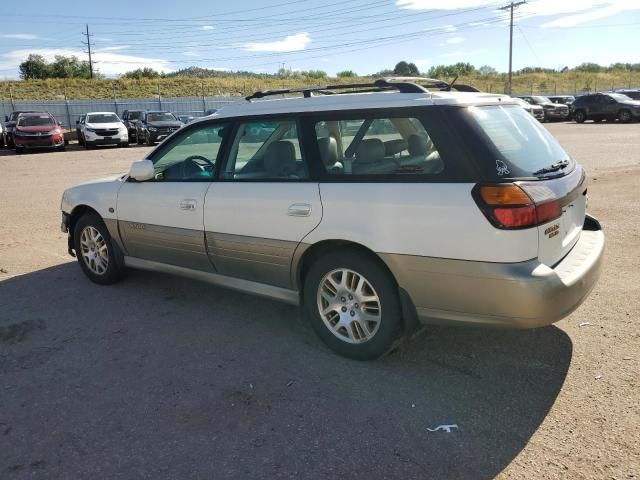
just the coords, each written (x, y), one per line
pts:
(577, 11)
(422, 63)
(449, 28)
(292, 43)
(455, 40)
(207, 27)
(107, 62)
(462, 55)
(20, 36)
(115, 48)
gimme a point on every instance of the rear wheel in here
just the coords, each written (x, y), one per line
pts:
(625, 116)
(352, 303)
(580, 116)
(97, 255)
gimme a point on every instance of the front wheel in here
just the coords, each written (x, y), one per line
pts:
(97, 255)
(580, 116)
(353, 305)
(625, 116)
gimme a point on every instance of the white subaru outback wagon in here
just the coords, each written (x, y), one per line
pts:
(377, 207)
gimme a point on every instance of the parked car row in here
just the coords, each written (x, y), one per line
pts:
(621, 105)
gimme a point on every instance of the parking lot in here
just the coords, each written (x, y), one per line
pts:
(162, 377)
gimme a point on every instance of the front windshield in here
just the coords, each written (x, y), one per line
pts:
(539, 99)
(36, 121)
(135, 115)
(620, 97)
(161, 117)
(103, 118)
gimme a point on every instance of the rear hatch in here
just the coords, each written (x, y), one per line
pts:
(517, 154)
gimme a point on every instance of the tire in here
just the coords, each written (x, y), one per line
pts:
(148, 140)
(124, 145)
(80, 140)
(19, 151)
(580, 116)
(598, 120)
(87, 145)
(102, 268)
(138, 139)
(63, 148)
(625, 116)
(327, 283)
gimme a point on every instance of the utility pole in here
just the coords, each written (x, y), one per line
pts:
(510, 7)
(88, 44)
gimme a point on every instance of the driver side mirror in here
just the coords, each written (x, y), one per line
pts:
(142, 170)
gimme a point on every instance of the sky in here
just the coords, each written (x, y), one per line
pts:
(365, 36)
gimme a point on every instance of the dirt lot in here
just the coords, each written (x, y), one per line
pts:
(160, 377)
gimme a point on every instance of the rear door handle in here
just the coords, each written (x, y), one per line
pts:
(188, 204)
(299, 210)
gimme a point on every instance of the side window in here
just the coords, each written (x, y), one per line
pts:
(192, 156)
(268, 150)
(377, 146)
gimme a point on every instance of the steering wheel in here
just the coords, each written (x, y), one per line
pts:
(191, 158)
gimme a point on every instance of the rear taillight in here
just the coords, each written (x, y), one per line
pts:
(508, 206)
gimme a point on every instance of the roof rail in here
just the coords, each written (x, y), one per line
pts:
(400, 84)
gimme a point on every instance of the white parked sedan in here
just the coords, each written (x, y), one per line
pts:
(377, 210)
(102, 128)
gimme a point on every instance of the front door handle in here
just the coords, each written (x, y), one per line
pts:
(188, 204)
(299, 210)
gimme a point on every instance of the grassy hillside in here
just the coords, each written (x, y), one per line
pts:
(185, 86)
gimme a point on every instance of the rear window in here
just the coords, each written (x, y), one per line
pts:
(519, 144)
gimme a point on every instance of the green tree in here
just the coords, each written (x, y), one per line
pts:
(346, 74)
(146, 72)
(487, 70)
(406, 69)
(589, 67)
(69, 67)
(317, 74)
(35, 67)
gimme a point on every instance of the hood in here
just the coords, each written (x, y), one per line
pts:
(38, 128)
(169, 123)
(633, 103)
(109, 125)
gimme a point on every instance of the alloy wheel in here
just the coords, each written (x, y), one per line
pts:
(94, 251)
(349, 306)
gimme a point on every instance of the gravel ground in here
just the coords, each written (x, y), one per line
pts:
(160, 377)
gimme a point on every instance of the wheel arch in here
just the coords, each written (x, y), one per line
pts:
(311, 254)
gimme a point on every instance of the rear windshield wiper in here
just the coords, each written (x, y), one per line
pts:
(554, 167)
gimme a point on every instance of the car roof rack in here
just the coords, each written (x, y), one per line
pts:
(400, 84)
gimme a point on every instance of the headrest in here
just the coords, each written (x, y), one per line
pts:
(280, 159)
(418, 145)
(370, 150)
(328, 150)
(391, 147)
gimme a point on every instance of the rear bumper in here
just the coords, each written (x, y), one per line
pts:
(513, 295)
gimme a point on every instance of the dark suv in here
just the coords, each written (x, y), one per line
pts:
(155, 126)
(552, 111)
(634, 94)
(606, 106)
(130, 119)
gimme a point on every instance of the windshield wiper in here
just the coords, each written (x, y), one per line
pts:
(554, 167)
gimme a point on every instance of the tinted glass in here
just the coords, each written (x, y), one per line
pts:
(377, 146)
(40, 120)
(521, 145)
(192, 156)
(135, 115)
(266, 151)
(160, 117)
(103, 118)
